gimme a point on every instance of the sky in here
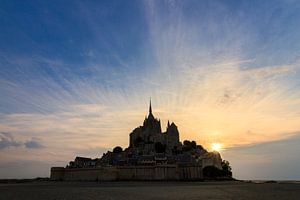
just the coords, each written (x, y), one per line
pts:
(76, 78)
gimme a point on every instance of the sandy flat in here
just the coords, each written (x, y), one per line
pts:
(149, 190)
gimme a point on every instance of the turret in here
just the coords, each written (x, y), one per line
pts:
(173, 132)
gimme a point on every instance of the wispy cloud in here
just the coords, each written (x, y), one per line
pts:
(33, 144)
(7, 141)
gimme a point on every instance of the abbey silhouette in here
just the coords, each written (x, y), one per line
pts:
(151, 155)
(145, 138)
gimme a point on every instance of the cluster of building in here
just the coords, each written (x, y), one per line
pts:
(149, 148)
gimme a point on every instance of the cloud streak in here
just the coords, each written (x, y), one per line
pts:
(8, 141)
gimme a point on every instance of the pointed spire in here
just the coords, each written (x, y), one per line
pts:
(168, 123)
(150, 107)
(150, 115)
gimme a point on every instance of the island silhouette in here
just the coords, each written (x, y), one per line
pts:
(151, 155)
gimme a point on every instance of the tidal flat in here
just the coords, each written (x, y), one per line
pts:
(47, 190)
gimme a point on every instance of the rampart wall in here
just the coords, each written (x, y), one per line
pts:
(123, 173)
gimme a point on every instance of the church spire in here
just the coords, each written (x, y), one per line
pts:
(150, 115)
(150, 107)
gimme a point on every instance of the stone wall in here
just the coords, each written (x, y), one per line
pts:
(122, 173)
(84, 174)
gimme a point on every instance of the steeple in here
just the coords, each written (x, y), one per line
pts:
(150, 116)
(150, 107)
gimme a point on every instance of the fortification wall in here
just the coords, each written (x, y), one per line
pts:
(191, 172)
(160, 172)
(57, 173)
(84, 174)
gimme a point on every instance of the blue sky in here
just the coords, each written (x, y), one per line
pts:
(76, 77)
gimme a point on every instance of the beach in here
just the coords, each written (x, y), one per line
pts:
(47, 190)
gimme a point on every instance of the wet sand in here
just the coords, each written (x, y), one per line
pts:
(149, 190)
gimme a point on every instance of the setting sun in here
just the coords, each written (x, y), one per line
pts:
(216, 146)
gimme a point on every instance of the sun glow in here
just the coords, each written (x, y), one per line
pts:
(216, 146)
